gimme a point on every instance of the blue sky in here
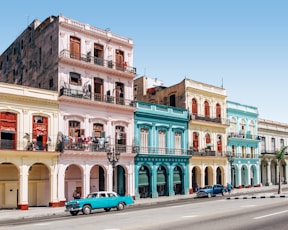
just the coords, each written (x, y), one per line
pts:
(243, 42)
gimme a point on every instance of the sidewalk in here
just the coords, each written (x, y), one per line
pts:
(33, 212)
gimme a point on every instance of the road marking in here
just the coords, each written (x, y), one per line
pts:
(42, 224)
(272, 214)
(189, 216)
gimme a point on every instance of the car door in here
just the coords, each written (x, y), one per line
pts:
(113, 199)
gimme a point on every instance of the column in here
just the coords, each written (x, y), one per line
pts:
(61, 184)
(268, 166)
(23, 188)
(154, 181)
(170, 179)
(54, 202)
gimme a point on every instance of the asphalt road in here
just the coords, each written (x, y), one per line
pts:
(214, 213)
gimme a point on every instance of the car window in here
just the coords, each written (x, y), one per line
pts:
(102, 195)
(111, 195)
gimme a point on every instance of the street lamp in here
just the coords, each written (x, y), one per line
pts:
(230, 158)
(113, 157)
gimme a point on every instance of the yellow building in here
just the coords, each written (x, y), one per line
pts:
(28, 133)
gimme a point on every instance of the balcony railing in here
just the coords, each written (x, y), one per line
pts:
(244, 136)
(96, 97)
(6, 144)
(98, 61)
(209, 119)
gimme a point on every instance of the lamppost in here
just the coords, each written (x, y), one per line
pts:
(113, 157)
(230, 158)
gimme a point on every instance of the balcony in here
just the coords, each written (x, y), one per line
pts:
(97, 61)
(161, 151)
(242, 135)
(77, 93)
(218, 120)
(7, 144)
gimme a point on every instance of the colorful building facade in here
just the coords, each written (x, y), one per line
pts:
(162, 160)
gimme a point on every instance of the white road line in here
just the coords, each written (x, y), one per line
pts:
(189, 216)
(272, 214)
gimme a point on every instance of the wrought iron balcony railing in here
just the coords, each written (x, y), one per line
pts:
(244, 136)
(120, 66)
(209, 119)
(96, 97)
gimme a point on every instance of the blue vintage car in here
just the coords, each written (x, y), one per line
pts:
(211, 190)
(98, 200)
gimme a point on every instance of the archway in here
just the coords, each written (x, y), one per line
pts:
(97, 179)
(9, 189)
(177, 180)
(38, 185)
(144, 182)
(121, 180)
(73, 181)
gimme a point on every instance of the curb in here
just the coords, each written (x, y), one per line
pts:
(256, 197)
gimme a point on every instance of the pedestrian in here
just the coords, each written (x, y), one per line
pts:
(76, 195)
(229, 188)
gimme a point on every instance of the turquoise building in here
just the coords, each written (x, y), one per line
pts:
(161, 140)
(242, 145)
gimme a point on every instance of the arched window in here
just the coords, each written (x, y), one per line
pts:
(195, 141)
(194, 107)
(218, 110)
(208, 140)
(206, 109)
(219, 143)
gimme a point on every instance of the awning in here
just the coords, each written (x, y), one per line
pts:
(143, 179)
(177, 178)
(161, 178)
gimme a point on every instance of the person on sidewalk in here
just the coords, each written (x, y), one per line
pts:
(229, 188)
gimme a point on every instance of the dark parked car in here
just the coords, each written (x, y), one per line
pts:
(211, 190)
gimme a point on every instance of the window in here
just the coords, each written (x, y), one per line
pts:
(161, 141)
(120, 135)
(74, 130)
(98, 89)
(75, 79)
(281, 143)
(219, 143)
(119, 59)
(206, 109)
(218, 110)
(243, 152)
(273, 144)
(178, 144)
(98, 54)
(144, 140)
(172, 100)
(75, 48)
(119, 93)
(195, 141)
(98, 130)
(194, 107)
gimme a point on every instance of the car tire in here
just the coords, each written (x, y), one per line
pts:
(209, 195)
(74, 213)
(107, 209)
(120, 206)
(86, 210)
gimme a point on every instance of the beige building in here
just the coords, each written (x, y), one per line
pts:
(28, 161)
(207, 137)
(274, 136)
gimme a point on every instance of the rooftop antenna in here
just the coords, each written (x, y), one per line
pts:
(222, 83)
(27, 20)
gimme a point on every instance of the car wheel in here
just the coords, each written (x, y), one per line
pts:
(107, 209)
(86, 210)
(120, 206)
(209, 195)
(74, 213)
